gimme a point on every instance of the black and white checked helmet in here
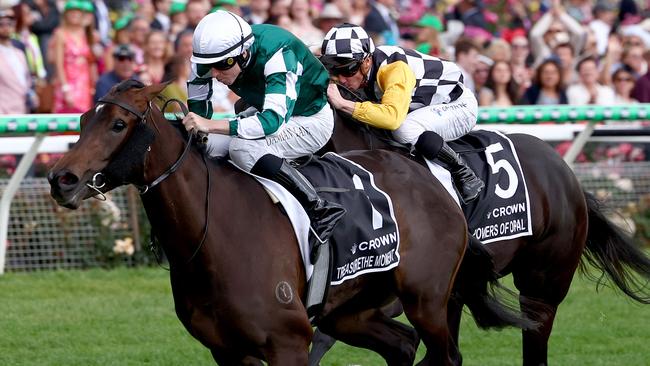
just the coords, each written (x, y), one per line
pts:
(347, 41)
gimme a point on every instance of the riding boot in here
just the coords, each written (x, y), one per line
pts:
(322, 214)
(468, 185)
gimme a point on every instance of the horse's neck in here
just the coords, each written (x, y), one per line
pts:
(176, 207)
(351, 135)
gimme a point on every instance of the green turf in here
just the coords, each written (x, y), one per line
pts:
(126, 317)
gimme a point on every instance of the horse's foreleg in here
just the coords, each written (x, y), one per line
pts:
(320, 344)
(373, 330)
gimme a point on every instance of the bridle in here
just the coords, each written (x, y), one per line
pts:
(142, 118)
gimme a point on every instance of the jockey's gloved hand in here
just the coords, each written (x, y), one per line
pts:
(247, 112)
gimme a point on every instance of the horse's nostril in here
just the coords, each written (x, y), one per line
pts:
(67, 180)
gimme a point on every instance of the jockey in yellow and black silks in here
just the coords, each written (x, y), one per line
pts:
(420, 98)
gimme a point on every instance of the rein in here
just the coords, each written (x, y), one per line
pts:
(96, 185)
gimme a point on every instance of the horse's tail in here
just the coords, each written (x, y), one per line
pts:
(615, 254)
(477, 286)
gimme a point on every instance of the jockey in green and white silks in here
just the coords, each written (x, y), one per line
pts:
(276, 74)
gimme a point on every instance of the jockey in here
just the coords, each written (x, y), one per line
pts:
(277, 75)
(420, 98)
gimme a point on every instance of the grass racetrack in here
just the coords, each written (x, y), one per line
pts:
(126, 317)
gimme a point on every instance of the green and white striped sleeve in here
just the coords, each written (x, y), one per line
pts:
(199, 90)
(282, 74)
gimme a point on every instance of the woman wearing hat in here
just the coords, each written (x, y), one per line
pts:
(75, 65)
(420, 98)
(275, 73)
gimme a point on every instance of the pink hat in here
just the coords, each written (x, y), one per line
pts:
(476, 32)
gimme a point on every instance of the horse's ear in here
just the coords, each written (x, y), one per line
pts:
(152, 91)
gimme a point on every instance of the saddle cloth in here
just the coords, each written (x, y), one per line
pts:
(502, 210)
(367, 238)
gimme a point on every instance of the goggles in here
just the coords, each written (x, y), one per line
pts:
(224, 64)
(341, 66)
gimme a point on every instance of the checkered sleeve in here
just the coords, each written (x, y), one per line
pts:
(397, 81)
(282, 74)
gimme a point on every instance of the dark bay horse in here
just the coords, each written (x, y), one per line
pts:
(569, 229)
(236, 272)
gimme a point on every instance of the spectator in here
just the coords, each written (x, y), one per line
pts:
(138, 32)
(279, 8)
(604, 18)
(303, 25)
(15, 80)
(145, 10)
(195, 10)
(161, 19)
(40, 96)
(466, 57)
(102, 21)
(257, 12)
(46, 20)
(24, 20)
(641, 91)
(481, 73)
(122, 35)
(470, 13)
(565, 53)
(500, 88)
(588, 90)
(183, 44)
(611, 60)
(358, 11)
(177, 73)
(547, 87)
(74, 60)
(633, 57)
(330, 16)
(124, 69)
(580, 10)
(381, 21)
(227, 5)
(521, 61)
(178, 20)
(155, 57)
(520, 50)
(623, 80)
(553, 28)
(427, 39)
(499, 50)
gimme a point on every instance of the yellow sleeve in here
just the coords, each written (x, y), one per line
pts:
(397, 81)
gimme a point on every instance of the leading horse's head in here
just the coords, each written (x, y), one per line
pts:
(113, 141)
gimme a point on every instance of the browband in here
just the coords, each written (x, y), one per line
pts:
(124, 106)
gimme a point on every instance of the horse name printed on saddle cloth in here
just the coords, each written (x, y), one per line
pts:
(367, 238)
(502, 210)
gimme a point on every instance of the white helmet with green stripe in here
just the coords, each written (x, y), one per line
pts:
(220, 38)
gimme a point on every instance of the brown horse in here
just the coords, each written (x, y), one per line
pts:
(236, 272)
(568, 227)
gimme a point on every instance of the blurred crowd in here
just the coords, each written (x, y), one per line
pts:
(60, 56)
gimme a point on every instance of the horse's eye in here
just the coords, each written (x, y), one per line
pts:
(119, 125)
